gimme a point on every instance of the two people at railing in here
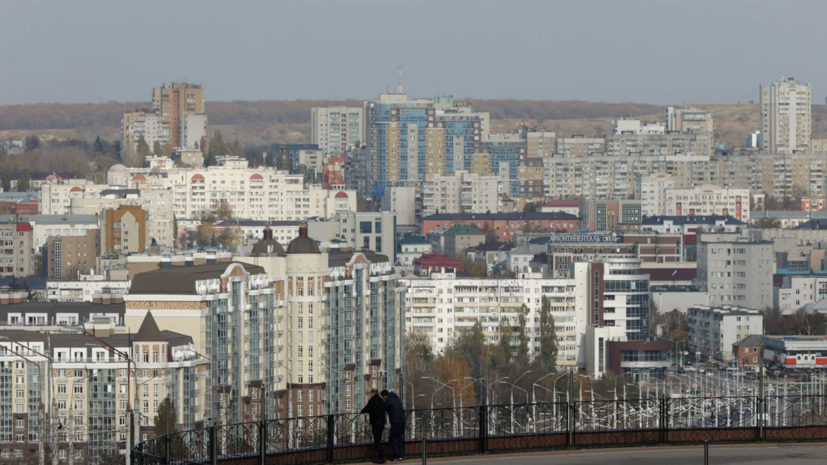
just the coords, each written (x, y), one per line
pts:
(377, 407)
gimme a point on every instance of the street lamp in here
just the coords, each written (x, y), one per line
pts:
(453, 397)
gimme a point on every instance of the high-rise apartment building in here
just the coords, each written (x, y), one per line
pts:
(785, 109)
(735, 271)
(410, 139)
(174, 103)
(334, 129)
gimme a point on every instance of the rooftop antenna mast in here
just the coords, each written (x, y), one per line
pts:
(399, 89)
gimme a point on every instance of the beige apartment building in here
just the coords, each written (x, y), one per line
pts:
(462, 192)
(688, 119)
(143, 123)
(579, 146)
(334, 129)
(786, 116)
(69, 256)
(123, 230)
(16, 250)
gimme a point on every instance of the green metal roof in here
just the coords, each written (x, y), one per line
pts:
(413, 239)
(464, 229)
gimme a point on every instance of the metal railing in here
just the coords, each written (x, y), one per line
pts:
(491, 428)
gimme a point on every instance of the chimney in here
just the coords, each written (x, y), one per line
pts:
(166, 262)
(211, 258)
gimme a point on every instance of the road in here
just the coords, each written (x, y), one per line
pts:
(774, 454)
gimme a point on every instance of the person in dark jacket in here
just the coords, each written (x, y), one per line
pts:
(396, 416)
(376, 414)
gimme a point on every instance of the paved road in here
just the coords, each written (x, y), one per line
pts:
(786, 454)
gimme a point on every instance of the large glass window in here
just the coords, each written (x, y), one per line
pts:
(364, 227)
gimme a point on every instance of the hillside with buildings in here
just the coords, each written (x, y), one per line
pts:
(281, 121)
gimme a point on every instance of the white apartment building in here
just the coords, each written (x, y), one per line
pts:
(579, 146)
(653, 193)
(193, 130)
(56, 195)
(799, 291)
(654, 144)
(735, 271)
(462, 192)
(713, 330)
(86, 289)
(44, 226)
(333, 129)
(786, 116)
(252, 193)
(607, 292)
(402, 201)
(706, 200)
(444, 305)
(635, 126)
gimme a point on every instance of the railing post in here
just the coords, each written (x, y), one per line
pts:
(262, 442)
(331, 425)
(571, 408)
(483, 419)
(213, 446)
(762, 404)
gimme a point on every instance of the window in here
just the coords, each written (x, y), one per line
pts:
(378, 244)
(366, 242)
(364, 227)
(155, 390)
(378, 227)
(78, 389)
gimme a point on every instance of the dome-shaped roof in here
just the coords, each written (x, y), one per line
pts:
(139, 177)
(52, 177)
(76, 189)
(117, 168)
(197, 176)
(303, 244)
(256, 176)
(341, 195)
(267, 245)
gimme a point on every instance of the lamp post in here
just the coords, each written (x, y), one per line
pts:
(453, 397)
(461, 391)
(554, 386)
(485, 399)
(512, 397)
(534, 398)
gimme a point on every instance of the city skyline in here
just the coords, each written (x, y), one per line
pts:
(612, 54)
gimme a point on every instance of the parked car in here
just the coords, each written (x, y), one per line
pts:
(751, 375)
(681, 370)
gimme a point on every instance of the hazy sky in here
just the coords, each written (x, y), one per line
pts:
(660, 52)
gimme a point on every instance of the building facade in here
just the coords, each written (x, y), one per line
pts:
(785, 108)
(334, 129)
(174, 103)
(67, 257)
(735, 271)
(714, 330)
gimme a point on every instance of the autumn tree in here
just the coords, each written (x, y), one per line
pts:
(224, 210)
(156, 148)
(24, 184)
(143, 147)
(548, 337)
(523, 352)
(530, 207)
(476, 268)
(470, 345)
(236, 149)
(506, 334)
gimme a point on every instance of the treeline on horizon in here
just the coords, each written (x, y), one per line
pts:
(43, 116)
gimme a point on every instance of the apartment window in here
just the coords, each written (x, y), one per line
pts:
(378, 227)
(78, 389)
(146, 390)
(61, 389)
(366, 242)
(378, 244)
(155, 390)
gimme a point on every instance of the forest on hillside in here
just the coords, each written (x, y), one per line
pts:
(44, 116)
